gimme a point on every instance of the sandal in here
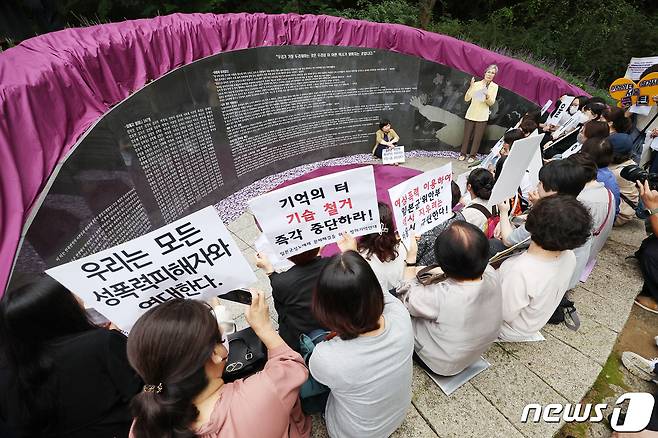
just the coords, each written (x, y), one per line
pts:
(462, 157)
(647, 303)
(470, 159)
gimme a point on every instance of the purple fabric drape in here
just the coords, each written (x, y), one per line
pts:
(54, 86)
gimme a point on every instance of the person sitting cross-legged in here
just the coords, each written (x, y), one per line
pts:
(534, 282)
(455, 320)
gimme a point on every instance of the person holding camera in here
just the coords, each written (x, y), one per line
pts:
(648, 252)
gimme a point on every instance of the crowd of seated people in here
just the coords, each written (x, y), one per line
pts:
(60, 375)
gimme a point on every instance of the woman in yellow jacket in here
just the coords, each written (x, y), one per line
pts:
(385, 138)
(482, 95)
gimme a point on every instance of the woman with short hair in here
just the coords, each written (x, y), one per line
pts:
(534, 282)
(385, 138)
(180, 352)
(482, 95)
(367, 365)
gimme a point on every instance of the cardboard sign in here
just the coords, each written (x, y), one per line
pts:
(393, 155)
(193, 257)
(422, 202)
(559, 112)
(316, 212)
(637, 66)
(514, 168)
(648, 88)
(574, 149)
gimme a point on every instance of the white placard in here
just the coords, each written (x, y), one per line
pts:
(514, 168)
(546, 106)
(574, 149)
(422, 202)
(193, 257)
(393, 155)
(494, 155)
(315, 212)
(562, 107)
(264, 246)
(637, 66)
(642, 110)
(533, 169)
(480, 95)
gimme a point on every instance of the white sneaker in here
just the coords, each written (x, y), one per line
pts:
(639, 366)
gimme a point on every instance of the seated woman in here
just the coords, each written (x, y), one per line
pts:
(367, 365)
(179, 351)
(455, 320)
(479, 185)
(64, 376)
(384, 252)
(385, 137)
(599, 201)
(622, 148)
(601, 152)
(534, 282)
(426, 243)
(292, 293)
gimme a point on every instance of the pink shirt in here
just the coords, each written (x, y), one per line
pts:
(265, 405)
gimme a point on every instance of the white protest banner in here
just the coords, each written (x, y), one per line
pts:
(393, 155)
(514, 168)
(494, 155)
(193, 257)
(546, 106)
(571, 124)
(313, 213)
(637, 66)
(422, 202)
(533, 169)
(559, 112)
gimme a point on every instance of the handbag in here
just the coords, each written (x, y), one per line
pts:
(426, 277)
(247, 355)
(312, 394)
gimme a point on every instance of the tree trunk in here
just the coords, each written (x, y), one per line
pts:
(426, 7)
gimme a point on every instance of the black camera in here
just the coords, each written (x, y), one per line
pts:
(634, 173)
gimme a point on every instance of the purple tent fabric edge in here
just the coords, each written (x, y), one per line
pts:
(54, 86)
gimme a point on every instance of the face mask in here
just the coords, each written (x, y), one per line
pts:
(581, 138)
(572, 110)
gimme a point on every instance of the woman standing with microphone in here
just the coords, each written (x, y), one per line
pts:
(482, 95)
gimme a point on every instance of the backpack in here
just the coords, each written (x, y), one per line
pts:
(312, 394)
(492, 219)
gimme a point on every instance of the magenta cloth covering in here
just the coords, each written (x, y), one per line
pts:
(385, 178)
(54, 86)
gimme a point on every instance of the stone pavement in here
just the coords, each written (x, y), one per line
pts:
(559, 370)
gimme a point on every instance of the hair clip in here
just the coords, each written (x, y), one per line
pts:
(384, 228)
(153, 388)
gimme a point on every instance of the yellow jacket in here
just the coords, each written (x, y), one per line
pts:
(478, 111)
(379, 137)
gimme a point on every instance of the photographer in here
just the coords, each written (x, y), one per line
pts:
(648, 252)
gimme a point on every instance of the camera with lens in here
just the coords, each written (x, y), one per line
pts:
(635, 173)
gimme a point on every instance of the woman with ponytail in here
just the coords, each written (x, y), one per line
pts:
(479, 185)
(62, 376)
(179, 351)
(384, 252)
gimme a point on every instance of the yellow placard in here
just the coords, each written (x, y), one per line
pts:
(625, 91)
(648, 87)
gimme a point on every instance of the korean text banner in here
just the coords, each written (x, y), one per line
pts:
(193, 257)
(313, 213)
(422, 202)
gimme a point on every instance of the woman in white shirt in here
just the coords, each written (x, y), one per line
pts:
(384, 251)
(534, 282)
(455, 320)
(479, 184)
(367, 365)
